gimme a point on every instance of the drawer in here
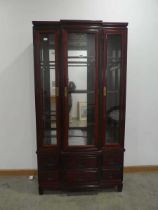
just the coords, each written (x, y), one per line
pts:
(111, 175)
(112, 160)
(48, 162)
(112, 164)
(49, 176)
(79, 162)
(80, 178)
(113, 154)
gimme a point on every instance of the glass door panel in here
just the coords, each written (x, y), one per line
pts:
(49, 87)
(113, 88)
(81, 88)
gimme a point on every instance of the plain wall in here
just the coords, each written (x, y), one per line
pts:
(17, 107)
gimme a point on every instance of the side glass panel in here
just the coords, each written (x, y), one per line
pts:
(48, 75)
(113, 88)
(81, 88)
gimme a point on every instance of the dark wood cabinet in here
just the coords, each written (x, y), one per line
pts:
(80, 90)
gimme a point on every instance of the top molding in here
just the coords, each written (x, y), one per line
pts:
(80, 22)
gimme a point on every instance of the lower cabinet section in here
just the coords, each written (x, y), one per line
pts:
(49, 176)
(109, 175)
(111, 178)
(79, 179)
(112, 159)
(49, 180)
(79, 162)
(71, 171)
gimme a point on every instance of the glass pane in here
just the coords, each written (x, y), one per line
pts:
(113, 88)
(48, 75)
(81, 88)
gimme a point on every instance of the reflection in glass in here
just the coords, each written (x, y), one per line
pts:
(81, 88)
(113, 88)
(48, 75)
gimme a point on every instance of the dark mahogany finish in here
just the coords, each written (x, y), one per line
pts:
(92, 166)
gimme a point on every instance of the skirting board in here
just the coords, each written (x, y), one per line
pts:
(18, 172)
(145, 168)
(33, 172)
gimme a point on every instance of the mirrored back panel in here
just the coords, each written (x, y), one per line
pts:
(81, 88)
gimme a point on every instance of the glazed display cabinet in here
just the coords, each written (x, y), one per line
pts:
(80, 91)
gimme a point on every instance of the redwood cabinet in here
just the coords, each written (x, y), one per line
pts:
(80, 88)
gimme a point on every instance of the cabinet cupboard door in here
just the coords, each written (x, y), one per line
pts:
(47, 87)
(80, 88)
(113, 92)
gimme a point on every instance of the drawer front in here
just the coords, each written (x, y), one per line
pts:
(113, 160)
(113, 154)
(113, 164)
(81, 162)
(49, 176)
(48, 162)
(71, 178)
(111, 175)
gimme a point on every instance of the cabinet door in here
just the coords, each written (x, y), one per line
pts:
(80, 88)
(46, 80)
(114, 87)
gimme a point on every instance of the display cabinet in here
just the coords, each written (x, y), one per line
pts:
(80, 89)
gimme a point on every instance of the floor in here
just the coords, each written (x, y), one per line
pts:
(140, 192)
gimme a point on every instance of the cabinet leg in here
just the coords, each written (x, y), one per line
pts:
(40, 190)
(119, 187)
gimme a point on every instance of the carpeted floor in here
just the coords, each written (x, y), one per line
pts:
(140, 192)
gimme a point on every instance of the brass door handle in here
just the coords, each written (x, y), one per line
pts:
(104, 91)
(65, 91)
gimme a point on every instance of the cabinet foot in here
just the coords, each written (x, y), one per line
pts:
(119, 187)
(40, 190)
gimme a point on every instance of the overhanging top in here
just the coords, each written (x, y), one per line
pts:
(80, 22)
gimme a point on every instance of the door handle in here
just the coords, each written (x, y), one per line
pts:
(65, 91)
(104, 91)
